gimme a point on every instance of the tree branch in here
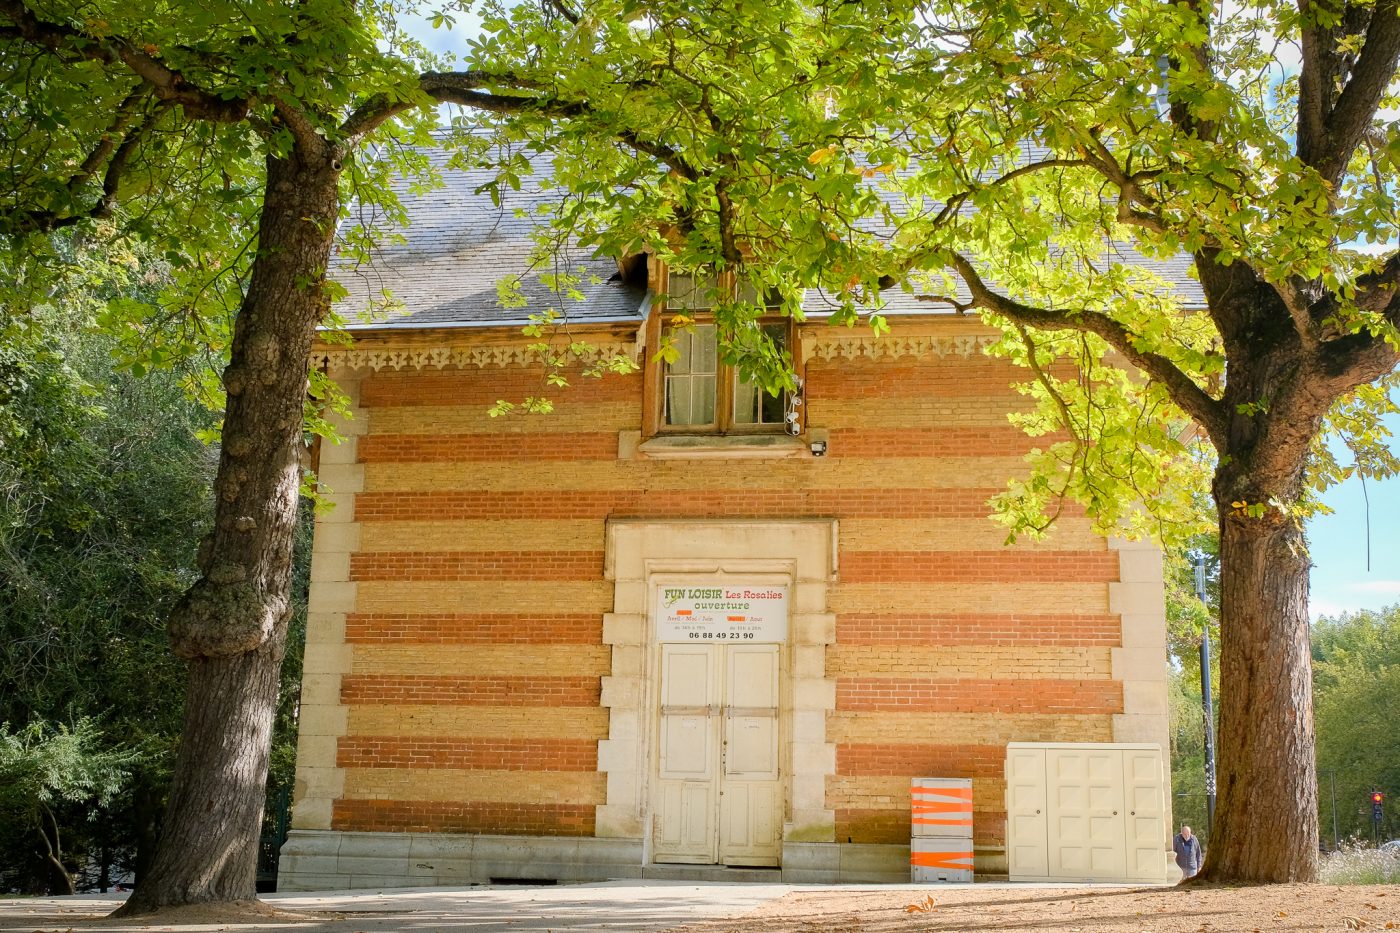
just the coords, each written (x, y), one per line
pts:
(1192, 399)
(465, 88)
(562, 8)
(72, 45)
(1331, 135)
(299, 125)
(1199, 55)
(1377, 291)
(118, 157)
(379, 109)
(1299, 309)
(128, 111)
(955, 203)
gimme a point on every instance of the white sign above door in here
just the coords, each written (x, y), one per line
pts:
(721, 613)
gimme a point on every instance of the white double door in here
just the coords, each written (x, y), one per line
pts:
(1085, 813)
(718, 793)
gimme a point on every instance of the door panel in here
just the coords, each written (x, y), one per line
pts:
(750, 803)
(1025, 813)
(751, 826)
(1085, 809)
(751, 712)
(1146, 826)
(689, 751)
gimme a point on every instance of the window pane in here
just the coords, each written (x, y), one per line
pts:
(706, 352)
(690, 380)
(704, 389)
(683, 360)
(774, 407)
(686, 292)
(753, 405)
(746, 402)
(678, 400)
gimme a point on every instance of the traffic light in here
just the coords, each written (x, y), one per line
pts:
(1377, 806)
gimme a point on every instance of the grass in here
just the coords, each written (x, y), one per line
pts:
(1360, 866)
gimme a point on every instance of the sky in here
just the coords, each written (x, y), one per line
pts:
(1341, 580)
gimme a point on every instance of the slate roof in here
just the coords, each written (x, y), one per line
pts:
(458, 245)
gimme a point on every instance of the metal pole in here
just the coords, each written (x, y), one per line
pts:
(1332, 774)
(1206, 704)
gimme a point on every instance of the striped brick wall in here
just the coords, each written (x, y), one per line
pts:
(472, 693)
(948, 644)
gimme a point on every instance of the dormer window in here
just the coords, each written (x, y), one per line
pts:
(703, 395)
(697, 392)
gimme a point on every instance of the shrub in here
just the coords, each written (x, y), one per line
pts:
(1360, 866)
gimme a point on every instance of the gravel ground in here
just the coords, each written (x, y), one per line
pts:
(731, 908)
(1018, 909)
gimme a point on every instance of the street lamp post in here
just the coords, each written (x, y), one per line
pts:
(1206, 704)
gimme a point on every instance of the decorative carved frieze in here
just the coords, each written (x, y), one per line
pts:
(822, 346)
(442, 357)
(849, 346)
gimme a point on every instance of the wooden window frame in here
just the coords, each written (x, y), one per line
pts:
(654, 387)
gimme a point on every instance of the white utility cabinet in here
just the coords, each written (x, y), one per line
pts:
(1085, 812)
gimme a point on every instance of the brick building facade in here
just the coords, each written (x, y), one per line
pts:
(489, 691)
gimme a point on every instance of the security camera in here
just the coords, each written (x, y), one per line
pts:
(818, 448)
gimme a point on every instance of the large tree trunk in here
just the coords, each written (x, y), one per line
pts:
(1266, 822)
(232, 624)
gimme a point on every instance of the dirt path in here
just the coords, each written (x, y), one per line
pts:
(1074, 910)
(734, 908)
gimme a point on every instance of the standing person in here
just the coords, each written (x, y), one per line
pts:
(1188, 852)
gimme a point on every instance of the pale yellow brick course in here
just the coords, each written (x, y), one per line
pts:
(505, 722)
(528, 597)
(960, 412)
(689, 475)
(970, 597)
(959, 534)
(892, 793)
(1000, 662)
(450, 785)
(475, 419)
(483, 660)
(966, 728)
(485, 535)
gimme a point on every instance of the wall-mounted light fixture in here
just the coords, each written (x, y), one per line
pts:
(818, 448)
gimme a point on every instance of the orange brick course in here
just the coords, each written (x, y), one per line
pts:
(533, 819)
(963, 761)
(465, 753)
(639, 503)
(978, 566)
(933, 442)
(920, 695)
(446, 690)
(455, 448)
(487, 386)
(1088, 630)
(892, 826)
(473, 629)
(477, 565)
(850, 379)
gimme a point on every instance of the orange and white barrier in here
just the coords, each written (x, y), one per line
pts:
(940, 820)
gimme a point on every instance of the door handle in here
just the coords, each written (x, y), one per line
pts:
(751, 712)
(690, 711)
